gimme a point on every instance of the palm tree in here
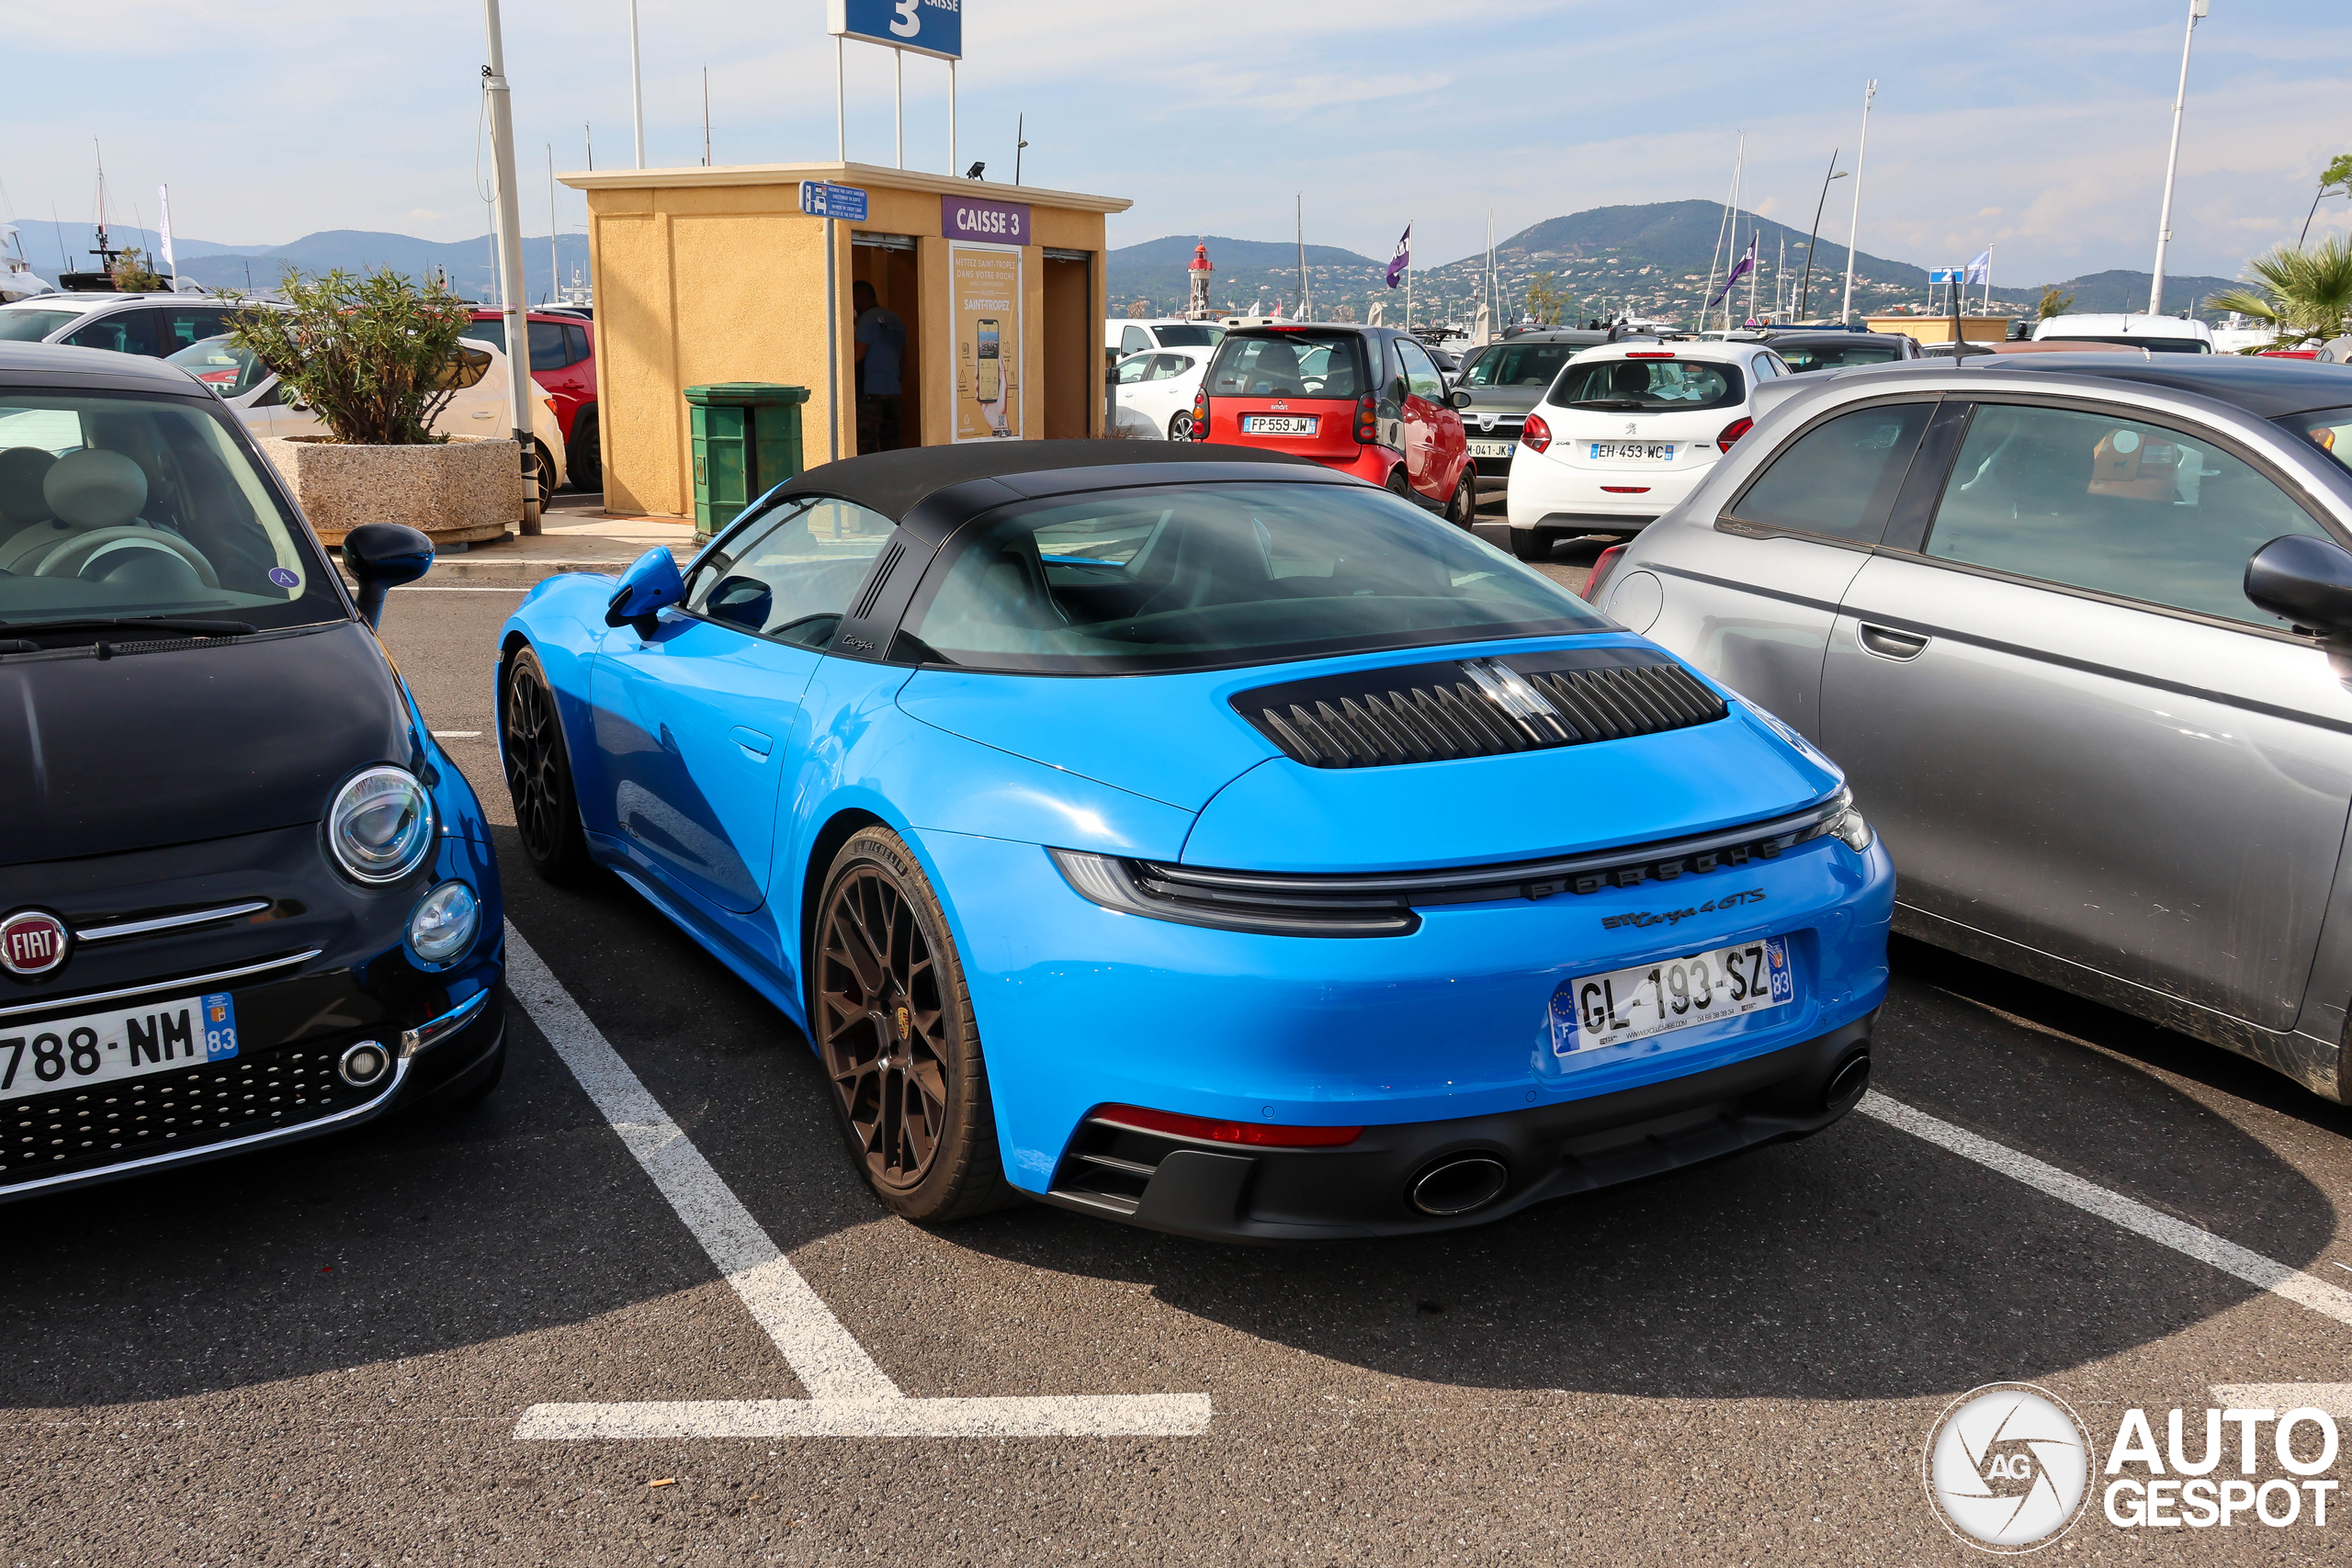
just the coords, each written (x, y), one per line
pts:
(2301, 291)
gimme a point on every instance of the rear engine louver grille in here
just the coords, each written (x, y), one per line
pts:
(1478, 707)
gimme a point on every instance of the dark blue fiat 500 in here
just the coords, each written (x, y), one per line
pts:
(244, 899)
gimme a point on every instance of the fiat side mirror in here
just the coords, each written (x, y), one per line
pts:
(382, 555)
(651, 585)
(2308, 582)
(1460, 398)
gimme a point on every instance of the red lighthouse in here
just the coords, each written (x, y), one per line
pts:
(1197, 307)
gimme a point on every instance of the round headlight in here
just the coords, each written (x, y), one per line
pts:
(444, 922)
(381, 825)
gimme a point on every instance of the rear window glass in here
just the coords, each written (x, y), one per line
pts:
(1650, 385)
(1189, 334)
(2153, 345)
(2330, 430)
(1294, 365)
(221, 364)
(1519, 365)
(32, 326)
(1831, 356)
(1209, 576)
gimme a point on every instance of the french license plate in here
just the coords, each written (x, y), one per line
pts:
(102, 1047)
(1632, 451)
(1279, 424)
(1493, 448)
(1653, 998)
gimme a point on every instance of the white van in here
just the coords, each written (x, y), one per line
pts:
(2157, 334)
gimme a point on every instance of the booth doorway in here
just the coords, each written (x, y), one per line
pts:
(1073, 377)
(887, 262)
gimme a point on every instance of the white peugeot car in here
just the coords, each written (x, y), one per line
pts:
(1154, 392)
(1627, 430)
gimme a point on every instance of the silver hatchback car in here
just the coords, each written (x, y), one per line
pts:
(2079, 630)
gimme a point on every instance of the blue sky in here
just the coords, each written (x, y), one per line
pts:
(2041, 127)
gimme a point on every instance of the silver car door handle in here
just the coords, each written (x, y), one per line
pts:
(1888, 643)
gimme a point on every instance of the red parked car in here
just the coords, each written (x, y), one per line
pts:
(1367, 400)
(563, 361)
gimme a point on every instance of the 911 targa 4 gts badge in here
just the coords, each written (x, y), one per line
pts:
(33, 942)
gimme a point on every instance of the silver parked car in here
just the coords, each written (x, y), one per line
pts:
(2079, 629)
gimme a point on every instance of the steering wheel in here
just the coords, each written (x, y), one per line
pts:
(74, 556)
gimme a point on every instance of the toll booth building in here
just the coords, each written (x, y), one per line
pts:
(716, 275)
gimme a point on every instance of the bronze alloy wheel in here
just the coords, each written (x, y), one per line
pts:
(895, 1032)
(1462, 509)
(539, 774)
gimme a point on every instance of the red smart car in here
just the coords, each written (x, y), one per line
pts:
(1365, 399)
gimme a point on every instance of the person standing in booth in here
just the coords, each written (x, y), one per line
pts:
(881, 344)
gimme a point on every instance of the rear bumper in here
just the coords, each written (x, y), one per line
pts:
(1543, 487)
(1217, 1192)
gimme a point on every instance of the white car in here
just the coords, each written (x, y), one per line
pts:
(1625, 432)
(1121, 338)
(154, 324)
(477, 409)
(2157, 334)
(1154, 392)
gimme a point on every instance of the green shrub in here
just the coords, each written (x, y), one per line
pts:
(377, 356)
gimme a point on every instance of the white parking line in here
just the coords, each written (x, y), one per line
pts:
(2193, 1241)
(852, 1397)
(457, 735)
(2336, 1398)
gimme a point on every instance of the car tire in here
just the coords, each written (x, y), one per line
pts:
(1179, 425)
(895, 1033)
(587, 452)
(1399, 485)
(1462, 509)
(539, 774)
(543, 474)
(1528, 544)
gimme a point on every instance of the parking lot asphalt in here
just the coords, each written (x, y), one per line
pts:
(321, 1355)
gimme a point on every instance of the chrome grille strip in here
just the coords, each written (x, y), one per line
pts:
(169, 922)
(62, 1004)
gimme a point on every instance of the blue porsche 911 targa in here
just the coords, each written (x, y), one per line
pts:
(1207, 839)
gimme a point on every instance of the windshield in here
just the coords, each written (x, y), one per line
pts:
(2153, 345)
(118, 504)
(32, 326)
(1802, 357)
(2330, 430)
(1189, 334)
(220, 365)
(1209, 576)
(1660, 385)
(1519, 365)
(1292, 365)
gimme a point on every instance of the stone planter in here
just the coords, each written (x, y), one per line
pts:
(464, 490)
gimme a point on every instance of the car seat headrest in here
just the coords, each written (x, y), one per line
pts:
(94, 489)
(22, 469)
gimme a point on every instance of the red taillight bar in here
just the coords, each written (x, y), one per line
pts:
(1732, 432)
(1367, 420)
(1648, 354)
(1184, 1126)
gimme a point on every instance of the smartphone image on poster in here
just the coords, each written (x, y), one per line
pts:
(991, 363)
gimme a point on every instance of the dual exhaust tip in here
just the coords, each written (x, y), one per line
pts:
(1461, 1184)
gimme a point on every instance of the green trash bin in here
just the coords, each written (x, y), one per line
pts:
(747, 441)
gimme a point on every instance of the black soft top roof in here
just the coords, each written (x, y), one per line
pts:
(893, 483)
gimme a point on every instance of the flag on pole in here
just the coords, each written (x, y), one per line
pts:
(1747, 265)
(1981, 269)
(1402, 258)
(170, 267)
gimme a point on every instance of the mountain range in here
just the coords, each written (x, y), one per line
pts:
(1651, 259)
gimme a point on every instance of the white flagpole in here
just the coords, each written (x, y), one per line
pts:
(1854, 227)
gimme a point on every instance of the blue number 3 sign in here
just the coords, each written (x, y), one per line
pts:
(925, 27)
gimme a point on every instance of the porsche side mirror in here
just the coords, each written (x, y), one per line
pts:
(1460, 398)
(2306, 582)
(651, 585)
(382, 555)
